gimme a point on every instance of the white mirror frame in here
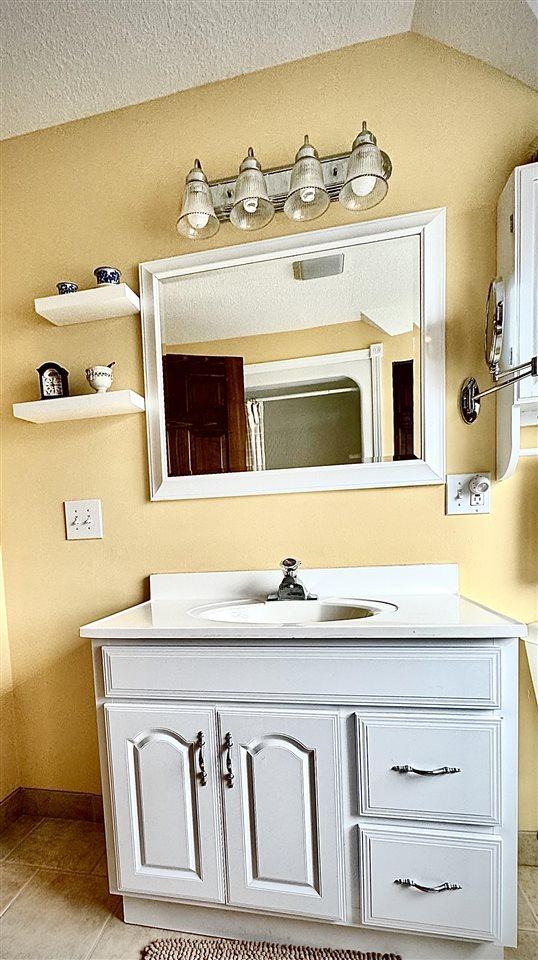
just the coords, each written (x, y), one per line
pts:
(429, 225)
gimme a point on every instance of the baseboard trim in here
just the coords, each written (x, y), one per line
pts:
(11, 808)
(56, 804)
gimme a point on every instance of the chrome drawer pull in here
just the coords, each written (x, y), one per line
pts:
(228, 744)
(439, 889)
(439, 771)
(200, 743)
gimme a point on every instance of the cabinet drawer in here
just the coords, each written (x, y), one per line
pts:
(448, 675)
(470, 862)
(459, 760)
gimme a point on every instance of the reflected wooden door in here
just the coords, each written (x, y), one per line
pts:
(164, 790)
(204, 403)
(282, 811)
(403, 409)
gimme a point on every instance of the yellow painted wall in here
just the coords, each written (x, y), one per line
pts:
(106, 190)
(9, 763)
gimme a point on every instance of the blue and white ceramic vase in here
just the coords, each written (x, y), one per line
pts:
(104, 275)
(66, 286)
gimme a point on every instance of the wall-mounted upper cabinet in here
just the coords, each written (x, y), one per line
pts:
(517, 264)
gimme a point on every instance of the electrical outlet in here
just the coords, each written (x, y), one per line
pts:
(468, 493)
(83, 520)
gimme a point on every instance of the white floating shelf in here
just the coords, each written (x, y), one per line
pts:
(83, 407)
(100, 303)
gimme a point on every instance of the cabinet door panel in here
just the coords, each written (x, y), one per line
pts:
(166, 820)
(283, 823)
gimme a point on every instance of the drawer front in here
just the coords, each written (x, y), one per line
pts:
(450, 676)
(393, 860)
(458, 759)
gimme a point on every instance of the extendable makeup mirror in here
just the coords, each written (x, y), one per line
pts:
(493, 337)
(470, 394)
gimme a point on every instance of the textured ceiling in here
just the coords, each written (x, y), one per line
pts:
(67, 59)
(503, 33)
(380, 283)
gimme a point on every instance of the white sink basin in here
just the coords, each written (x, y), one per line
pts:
(292, 613)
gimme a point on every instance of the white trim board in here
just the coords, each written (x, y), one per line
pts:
(84, 306)
(429, 225)
(83, 407)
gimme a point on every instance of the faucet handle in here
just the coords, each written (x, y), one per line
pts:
(289, 565)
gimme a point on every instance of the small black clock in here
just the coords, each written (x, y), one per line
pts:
(53, 381)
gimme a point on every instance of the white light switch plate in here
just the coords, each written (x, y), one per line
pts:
(459, 498)
(83, 520)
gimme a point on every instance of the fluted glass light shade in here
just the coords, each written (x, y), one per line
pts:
(308, 197)
(197, 219)
(252, 208)
(368, 170)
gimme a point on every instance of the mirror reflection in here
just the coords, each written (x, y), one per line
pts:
(294, 361)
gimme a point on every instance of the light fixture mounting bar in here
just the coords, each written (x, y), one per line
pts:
(278, 185)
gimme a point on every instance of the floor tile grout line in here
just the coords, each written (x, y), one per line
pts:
(100, 934)
(12, 901)
(26, 835)
(43, 866)
(527, 899)
(17, 845)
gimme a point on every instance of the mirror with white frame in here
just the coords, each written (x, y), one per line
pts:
(310, 362)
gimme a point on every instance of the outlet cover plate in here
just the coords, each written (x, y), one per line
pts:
(83, 520)
(459, 483)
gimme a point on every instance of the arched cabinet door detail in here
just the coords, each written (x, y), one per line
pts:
(283, 821)
(164, 792)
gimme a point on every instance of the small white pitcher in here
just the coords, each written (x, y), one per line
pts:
(100, 377)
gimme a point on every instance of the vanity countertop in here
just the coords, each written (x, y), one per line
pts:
(428, 603)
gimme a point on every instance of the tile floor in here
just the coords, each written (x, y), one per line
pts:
(55, 904)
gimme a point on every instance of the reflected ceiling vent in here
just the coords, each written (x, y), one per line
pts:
(320, 267)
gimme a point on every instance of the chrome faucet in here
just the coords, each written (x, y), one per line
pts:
(291, 588)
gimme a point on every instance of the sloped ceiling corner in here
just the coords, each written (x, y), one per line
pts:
(503, 33)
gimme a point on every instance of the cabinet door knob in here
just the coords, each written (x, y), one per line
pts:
(438, 889)
(200, 743)
(228, 744)
(438, 772)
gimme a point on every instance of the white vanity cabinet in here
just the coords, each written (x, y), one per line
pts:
(276, 774)
(275, 788)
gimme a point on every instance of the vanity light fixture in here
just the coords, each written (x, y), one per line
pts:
(308, 198)
(252, 208)
(303, 191)
(367, 173)
(197, 219)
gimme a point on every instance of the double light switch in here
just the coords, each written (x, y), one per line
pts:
(83, 520)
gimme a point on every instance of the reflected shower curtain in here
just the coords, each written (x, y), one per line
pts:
(255, 435)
